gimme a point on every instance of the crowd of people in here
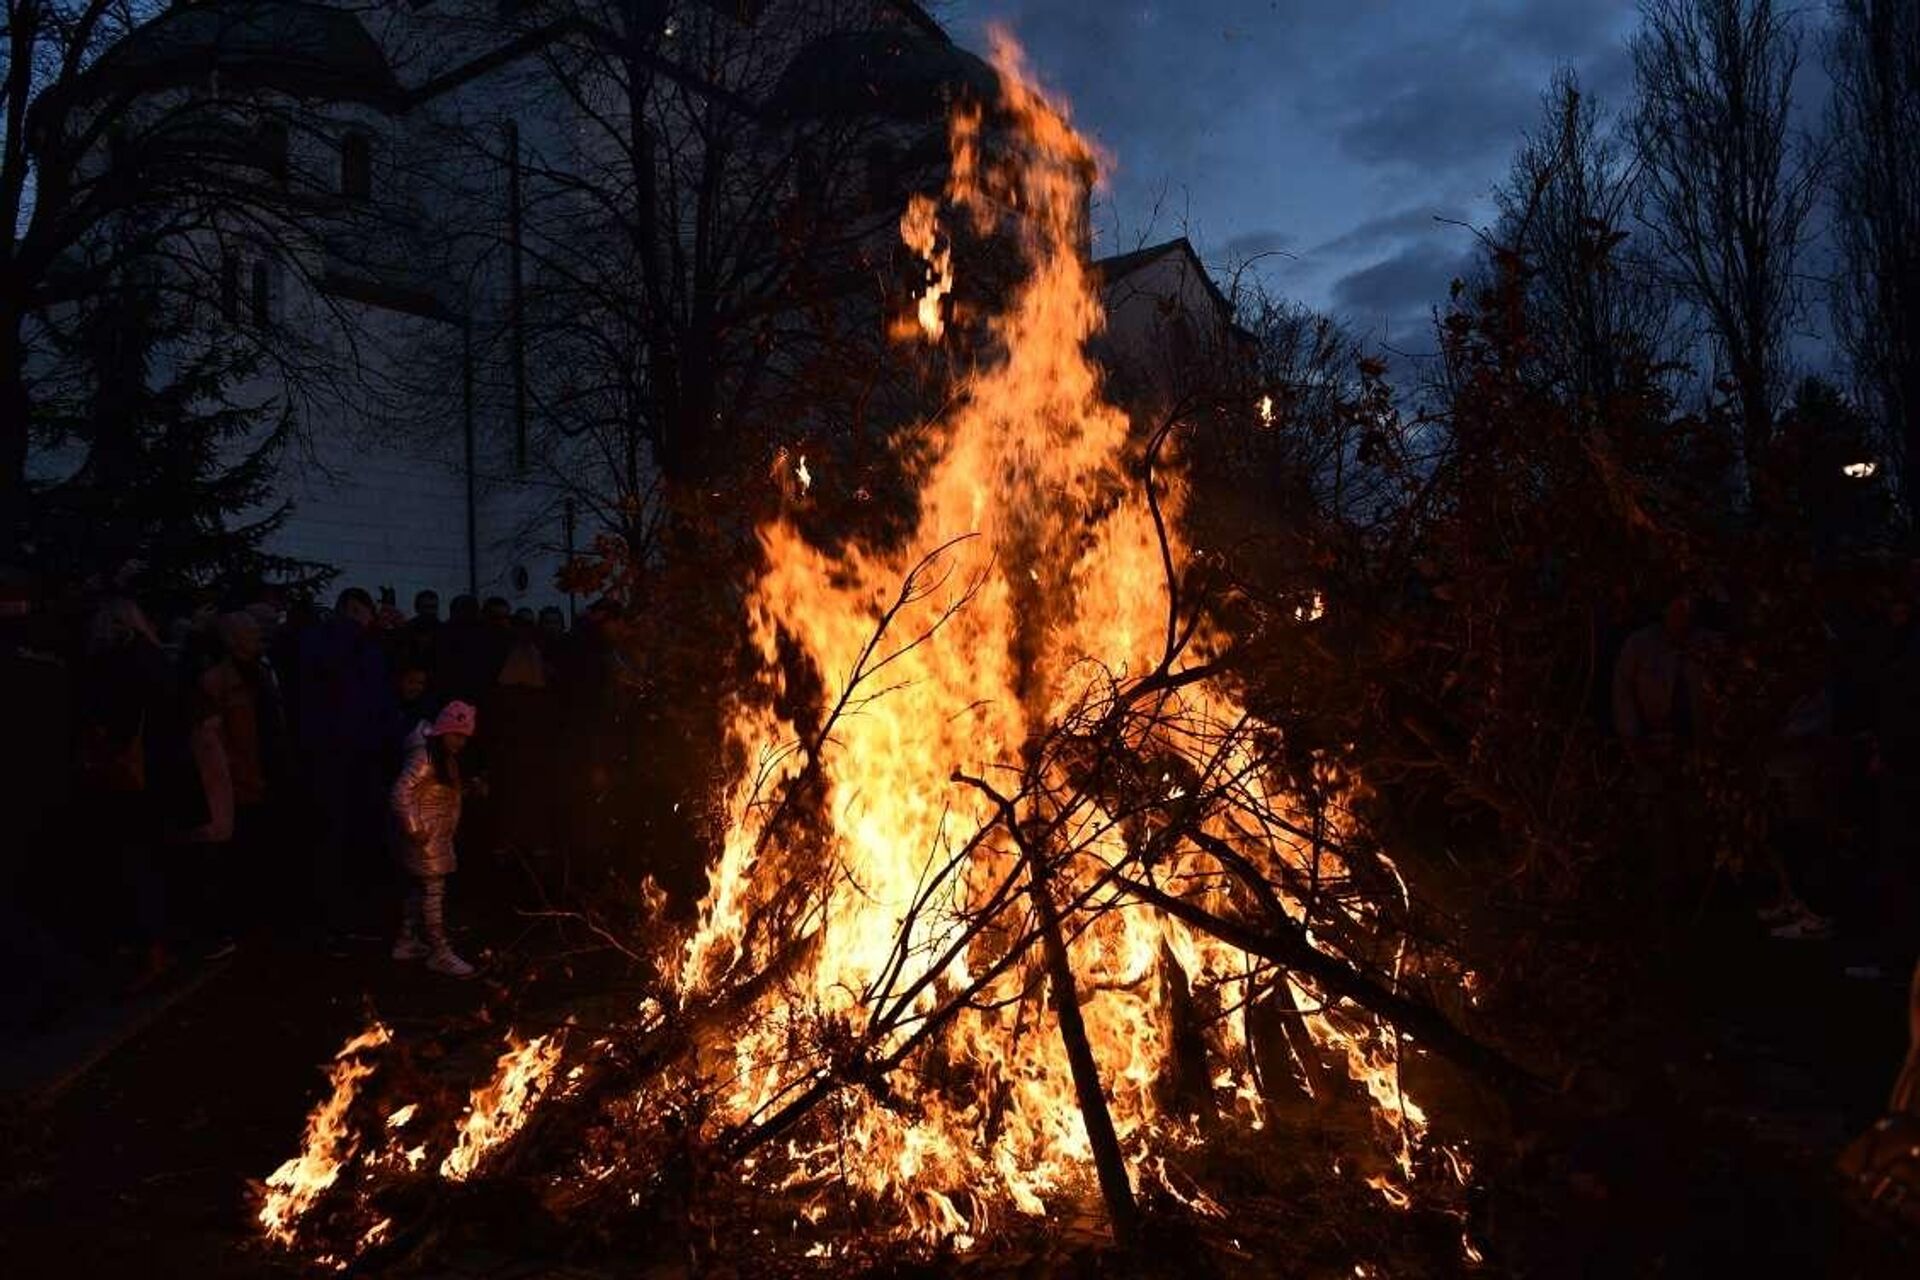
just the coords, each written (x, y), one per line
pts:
(268, 768)
(273, 767)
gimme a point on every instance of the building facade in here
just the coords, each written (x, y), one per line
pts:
(413, 143)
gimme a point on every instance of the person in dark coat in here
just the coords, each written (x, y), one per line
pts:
(414, 703)
(1896, 878)
(37, 732)
(416, 642)
(138, 777)
(343, 700)
(241, 688)
(523, 739)
(468, 654)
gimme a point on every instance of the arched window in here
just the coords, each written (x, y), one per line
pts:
(262, 294)
(230, 287)
(273, 148)
(356, 166)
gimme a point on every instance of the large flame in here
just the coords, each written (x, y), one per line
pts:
(1036, 583)
(868, 946)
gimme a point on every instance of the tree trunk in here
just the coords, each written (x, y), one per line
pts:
(15, 412)
(1756, 423)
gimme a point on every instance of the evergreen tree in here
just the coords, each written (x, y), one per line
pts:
(172, 495)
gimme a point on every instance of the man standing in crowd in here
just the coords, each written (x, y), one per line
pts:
(135, 767)
(242, 689)
(343, 678)
(460, 670)
(418, 643)
(1656, 705)
(37, 730)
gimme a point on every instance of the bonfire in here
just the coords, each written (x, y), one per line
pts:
(1018, 916)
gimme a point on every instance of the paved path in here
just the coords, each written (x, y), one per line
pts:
(131, 1129)
(36, 1067)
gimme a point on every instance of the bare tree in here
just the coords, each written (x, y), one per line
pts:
(127, 162)
(1595, 308)
(691, 222)
(1875, 125)
(1728, 187)
(703, 257)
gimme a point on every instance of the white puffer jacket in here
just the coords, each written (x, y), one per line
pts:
(426, 812)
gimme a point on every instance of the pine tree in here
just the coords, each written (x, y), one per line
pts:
(174, 497)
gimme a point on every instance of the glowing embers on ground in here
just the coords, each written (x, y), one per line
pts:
(495, 1112)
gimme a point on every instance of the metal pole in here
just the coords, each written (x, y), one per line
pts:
(516, 299)
(466, 422)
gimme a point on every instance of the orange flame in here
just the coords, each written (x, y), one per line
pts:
(295, 1186)
(1034, 581)
(920, 230)
(896, 929)
(497, 1109)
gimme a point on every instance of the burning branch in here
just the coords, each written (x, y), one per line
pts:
(1108, 1161)
(862, 1003)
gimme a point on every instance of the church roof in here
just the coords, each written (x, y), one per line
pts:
(904, 73)
(293, 46)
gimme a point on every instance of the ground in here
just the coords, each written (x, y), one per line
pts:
(1749, 1070)
(139, 1128)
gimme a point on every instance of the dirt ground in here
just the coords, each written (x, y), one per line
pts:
(1736, 1085)
(1712, 1156)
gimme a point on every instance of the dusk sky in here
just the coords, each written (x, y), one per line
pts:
(1333, 130)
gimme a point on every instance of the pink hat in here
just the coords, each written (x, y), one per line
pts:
(455, 717)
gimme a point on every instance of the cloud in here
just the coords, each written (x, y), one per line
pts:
(1414, 221)
(1252, 244)
(1233, 119)
(1443, 123)
(1557, 29)
(1408, 283)
(1147, 79)
(1608, 76)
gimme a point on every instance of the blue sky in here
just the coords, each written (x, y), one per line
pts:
(1335, 131)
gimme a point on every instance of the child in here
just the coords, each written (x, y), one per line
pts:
(426, 813)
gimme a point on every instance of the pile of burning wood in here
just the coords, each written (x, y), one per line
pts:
(1021, 916)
